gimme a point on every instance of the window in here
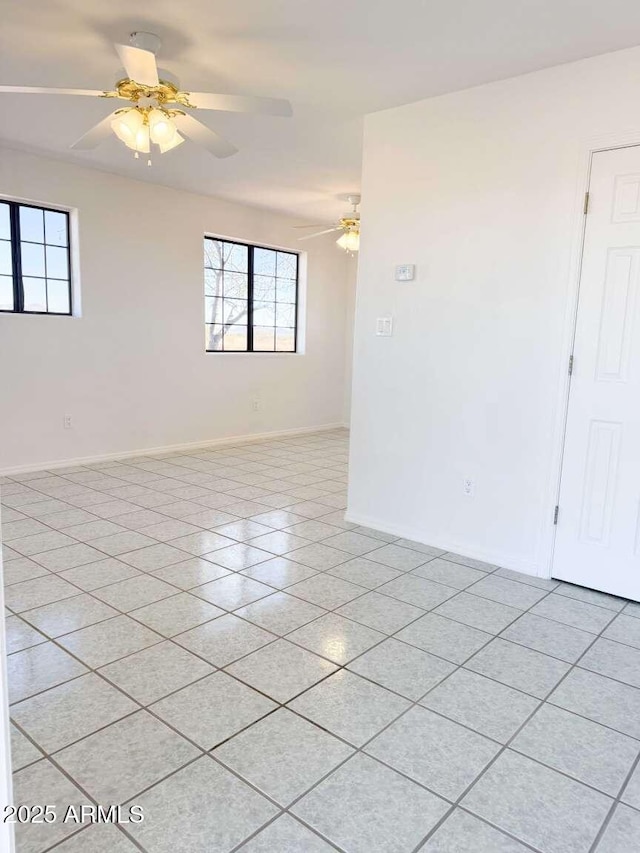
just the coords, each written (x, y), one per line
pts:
(35, 269)
(250, 298)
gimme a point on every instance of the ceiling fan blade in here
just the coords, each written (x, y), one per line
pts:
(92, 138)
(241, 104)
(315, 225)
(37, 90)
(139, 64)
(202, 135)
(319, 233)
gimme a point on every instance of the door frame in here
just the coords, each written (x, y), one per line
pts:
(595, 145)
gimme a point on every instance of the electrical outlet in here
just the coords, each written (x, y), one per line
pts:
(68, 423)
(468, 487)
(255, 404)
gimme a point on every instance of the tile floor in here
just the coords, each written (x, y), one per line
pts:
(202, 634)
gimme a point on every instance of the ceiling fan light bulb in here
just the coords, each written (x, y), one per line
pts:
(161, 127)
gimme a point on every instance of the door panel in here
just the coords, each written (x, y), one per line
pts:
(599, 519)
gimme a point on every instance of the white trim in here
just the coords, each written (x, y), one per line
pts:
(169, 448)
(496, 558)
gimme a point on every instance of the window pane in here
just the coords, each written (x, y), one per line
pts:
(236, 257)
(212, 282)
(32, 224)
(287, 264)
(32, 259)
(285, 340)
(58, 296)
(236, 285)
(264, 261)
(264, 288)
(285, 315)
(57, 262)
(263, 338)
(264, 314)
(286, 291)
(235, 338)
(55, 228)
(35, 294)
(213, 337)
(235, 310)
(213, 254)
(232, 295)
(6, 264)
(212, 309)
(6, 293)
(5, 222)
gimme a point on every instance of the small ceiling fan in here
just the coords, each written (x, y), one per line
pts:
(158, 111)
(349, 224)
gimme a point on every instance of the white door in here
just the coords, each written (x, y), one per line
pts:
(598, 534)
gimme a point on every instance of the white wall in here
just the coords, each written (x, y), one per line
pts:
(132, 371)
(350, 311)
(482, 190)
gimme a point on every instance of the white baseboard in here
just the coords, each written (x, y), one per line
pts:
(496, 558)
(169, 448)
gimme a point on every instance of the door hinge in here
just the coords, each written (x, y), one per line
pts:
(570, 365)
(555, 514)
(586, 203)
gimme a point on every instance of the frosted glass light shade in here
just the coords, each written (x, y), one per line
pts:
(126, 125)
(350, 241)
(141, 142)
(161, 128)
(173, 143)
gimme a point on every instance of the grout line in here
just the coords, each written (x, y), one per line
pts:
(503, 746)
(614, 806)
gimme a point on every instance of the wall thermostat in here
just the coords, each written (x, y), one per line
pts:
(405, 272)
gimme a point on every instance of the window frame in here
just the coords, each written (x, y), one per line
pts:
(250, 283)
(16, 258)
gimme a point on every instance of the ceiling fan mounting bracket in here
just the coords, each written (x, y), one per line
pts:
(145, 41)
(164, 93)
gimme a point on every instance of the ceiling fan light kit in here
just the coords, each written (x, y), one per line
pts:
(138, 127)
(155, 115)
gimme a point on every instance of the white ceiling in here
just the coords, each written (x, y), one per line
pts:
(334, 60)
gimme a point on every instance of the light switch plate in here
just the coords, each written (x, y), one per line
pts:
(384, 327)
(405, 272)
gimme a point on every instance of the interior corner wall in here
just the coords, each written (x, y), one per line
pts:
(483, 191)
(132, 371)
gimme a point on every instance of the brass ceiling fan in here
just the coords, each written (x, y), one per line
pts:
(158, 112)
(349, 224)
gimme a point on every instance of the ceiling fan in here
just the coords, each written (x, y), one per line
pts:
(349, 224)
(158, 111)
